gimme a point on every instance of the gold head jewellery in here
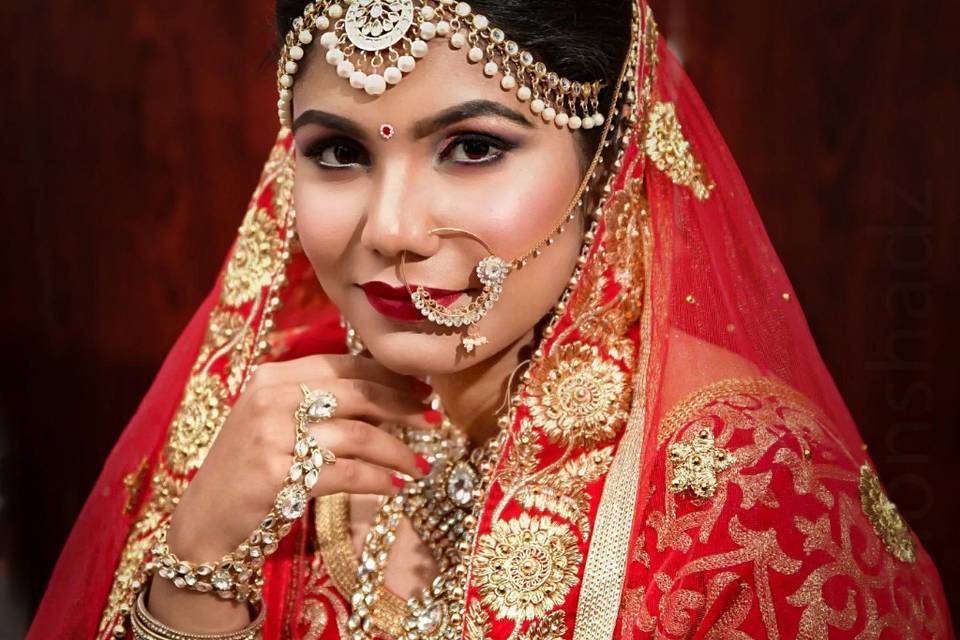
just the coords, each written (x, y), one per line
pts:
(239, 574)
(374, 43)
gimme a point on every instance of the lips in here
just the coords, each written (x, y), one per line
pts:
(395, 303)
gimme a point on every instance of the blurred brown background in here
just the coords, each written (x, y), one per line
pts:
(133, 133)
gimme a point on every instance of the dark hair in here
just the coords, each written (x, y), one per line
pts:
(579, 40)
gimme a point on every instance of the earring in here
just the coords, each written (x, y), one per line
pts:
(491, 271)
(387, 131)
(355, 346)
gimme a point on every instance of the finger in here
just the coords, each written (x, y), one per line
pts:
(334, 366)
(370, 401)
(348, 475)
(357, 439)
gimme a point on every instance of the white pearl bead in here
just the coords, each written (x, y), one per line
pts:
(491, 69)
(537, 106)
(588, 123)
(345, 68)
(286, 94)
(508, 82)
(392, 75)
(290, 66)
(305, 37)
(598, 119)
(524, 93)
(428, 30)
(296, 53)
(480, 22)
(561, 120)
(335, 11)
(419, 48)
(457, 40)
(322, 22)
(334, 56)
(463, 9)
(286, 81)
(428, 13)
(374, 84)
(357, 79)
(281, 104)
(443, 28)
(575, 122)
(475, 54)
(549, 114)
(328, 40)
(406, 63)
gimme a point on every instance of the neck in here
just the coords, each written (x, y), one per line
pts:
(473, 398)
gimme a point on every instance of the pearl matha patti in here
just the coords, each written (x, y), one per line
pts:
(375, 44)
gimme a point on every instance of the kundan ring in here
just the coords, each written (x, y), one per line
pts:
(316, 406)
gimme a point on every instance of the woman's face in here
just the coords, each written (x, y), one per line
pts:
(464, 154)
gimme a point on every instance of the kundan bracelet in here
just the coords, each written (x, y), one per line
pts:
(239, 574)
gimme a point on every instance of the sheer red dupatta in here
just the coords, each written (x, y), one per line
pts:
(264, 305)
(790, 542)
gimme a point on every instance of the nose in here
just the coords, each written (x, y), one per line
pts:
(398, 217)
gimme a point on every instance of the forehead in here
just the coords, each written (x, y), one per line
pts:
(440, 80)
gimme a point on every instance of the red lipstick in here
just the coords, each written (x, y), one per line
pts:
(395, 303)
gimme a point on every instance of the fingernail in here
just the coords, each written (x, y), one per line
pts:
(422, 464)
(433, 416)
(399, 480)
(421, 388)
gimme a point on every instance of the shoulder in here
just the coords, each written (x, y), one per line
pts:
(760, 511)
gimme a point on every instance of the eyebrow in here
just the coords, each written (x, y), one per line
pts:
(422, 128)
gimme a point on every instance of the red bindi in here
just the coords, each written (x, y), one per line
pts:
(386, 131)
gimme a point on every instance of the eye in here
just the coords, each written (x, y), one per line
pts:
(476, 149)
(337, 154)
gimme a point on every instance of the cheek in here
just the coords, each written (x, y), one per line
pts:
(326, 220)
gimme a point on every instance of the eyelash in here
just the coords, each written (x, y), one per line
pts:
(499, 147)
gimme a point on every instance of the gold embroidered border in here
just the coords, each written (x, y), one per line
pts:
(332, 524)
(605, 569)
(687, 408)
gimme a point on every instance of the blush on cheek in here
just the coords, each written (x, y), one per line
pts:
(523, 217)
(325, 225)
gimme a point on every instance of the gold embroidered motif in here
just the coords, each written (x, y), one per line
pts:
(671, 153)
(526, 566)
(205, 402)
(478, 625)
(550, 627)
(564, 493)
(197, 422)
(133, 482)
(696, 464)
(580, 399)
(255, 258)
(890, 526)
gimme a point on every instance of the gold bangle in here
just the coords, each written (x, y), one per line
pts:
(146, 627)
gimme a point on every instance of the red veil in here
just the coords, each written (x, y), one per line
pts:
(723, 492)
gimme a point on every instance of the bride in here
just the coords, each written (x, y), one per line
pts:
(501, 350)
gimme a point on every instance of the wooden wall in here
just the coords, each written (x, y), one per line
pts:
(133, 133)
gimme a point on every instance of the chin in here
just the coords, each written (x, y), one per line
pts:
(416, 352)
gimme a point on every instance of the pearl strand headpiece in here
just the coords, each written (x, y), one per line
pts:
(374, 43)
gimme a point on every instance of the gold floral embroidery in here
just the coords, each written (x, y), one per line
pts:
(255, 258)
(671, 153)
(580, 400)
(133, 482)
(551, 627)
(890, 526)
(217, 372)
(697, 463)
(526, 566)
(197, 422)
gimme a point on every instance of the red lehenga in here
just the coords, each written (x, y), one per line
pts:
(714, 487)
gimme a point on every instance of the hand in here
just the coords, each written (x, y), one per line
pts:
(246, 466)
